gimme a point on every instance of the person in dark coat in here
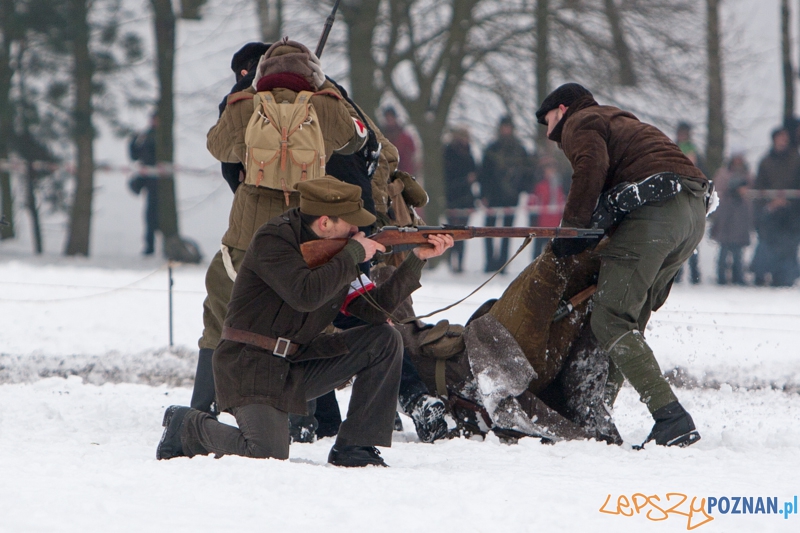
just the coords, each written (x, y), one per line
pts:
(506, 171)
(777, 219)
(459, 178)
(683, 138)
(732, 222)
(275, 355)
(606, 147)
(143, 149)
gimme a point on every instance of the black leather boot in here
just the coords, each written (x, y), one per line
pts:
(170, 444)
(355, 456)
(673, 427)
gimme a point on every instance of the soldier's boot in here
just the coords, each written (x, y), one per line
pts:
(170, 445)
(673, 427)
(430, 418)
(635, 360)
(204, 394)
(355, 456)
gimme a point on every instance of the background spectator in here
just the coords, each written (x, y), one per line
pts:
(505, 172)
(548, 197)
(683, 138)
(459, 178)
(143, 149)
(402, 140)
(732, 222)
(777, 219)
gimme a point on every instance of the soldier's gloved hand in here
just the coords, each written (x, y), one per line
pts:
(566, 247)
(316, 68)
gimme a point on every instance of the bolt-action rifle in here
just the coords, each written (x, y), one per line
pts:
(401, 239)
(327, 29)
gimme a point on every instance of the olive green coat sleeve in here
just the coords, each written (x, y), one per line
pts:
(225, 140)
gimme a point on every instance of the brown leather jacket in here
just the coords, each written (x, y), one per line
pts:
(277, 295)
(607, 146)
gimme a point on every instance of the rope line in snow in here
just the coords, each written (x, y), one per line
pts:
(111, 290)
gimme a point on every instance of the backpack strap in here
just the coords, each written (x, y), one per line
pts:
(238, 97)
(328, 92)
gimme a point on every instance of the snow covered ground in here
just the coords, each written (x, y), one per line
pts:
(78, 453)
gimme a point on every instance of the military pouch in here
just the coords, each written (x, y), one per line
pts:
(623, 198)
(442, 342)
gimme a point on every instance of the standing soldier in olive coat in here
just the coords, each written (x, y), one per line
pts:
(608, 147)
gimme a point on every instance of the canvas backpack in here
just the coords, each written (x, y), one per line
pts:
(284, 143)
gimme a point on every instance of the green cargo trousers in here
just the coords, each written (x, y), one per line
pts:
(636, 272)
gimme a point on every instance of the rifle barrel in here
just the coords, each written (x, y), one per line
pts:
(327, 29)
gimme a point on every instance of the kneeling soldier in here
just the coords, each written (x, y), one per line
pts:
(275, 356)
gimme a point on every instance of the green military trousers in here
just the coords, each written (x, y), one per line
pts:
(218, 293)
(636, 273)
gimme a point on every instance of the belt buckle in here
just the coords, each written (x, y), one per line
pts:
(282, 353)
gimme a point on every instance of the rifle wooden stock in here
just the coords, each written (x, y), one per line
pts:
(396, 239)
(566, 307)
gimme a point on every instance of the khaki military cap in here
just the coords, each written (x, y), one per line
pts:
(334, 198)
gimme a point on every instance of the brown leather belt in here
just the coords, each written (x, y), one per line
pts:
(280, 346)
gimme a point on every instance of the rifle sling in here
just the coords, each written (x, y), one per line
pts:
(525, 243)
(394, 319)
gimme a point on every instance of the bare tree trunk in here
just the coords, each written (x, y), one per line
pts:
(6, 128)
(33, 208)
(83, 134)
(270, 18)
(788, 70)
(542, 63)
(429, 111)
(164, 19)
(627, 74)
(715, 143)
(361, 16)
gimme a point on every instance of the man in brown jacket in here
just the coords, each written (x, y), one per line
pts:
(608, 147)
(275, 356)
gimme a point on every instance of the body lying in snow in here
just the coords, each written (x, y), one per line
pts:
(511, 369)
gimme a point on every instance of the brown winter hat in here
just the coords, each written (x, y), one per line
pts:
(290, 56)
(566, 95)
(331, 197)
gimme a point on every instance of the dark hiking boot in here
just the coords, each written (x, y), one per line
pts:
(355, 456)
(170, 444)
(673, 427)
(430, 418)
(398, 422)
